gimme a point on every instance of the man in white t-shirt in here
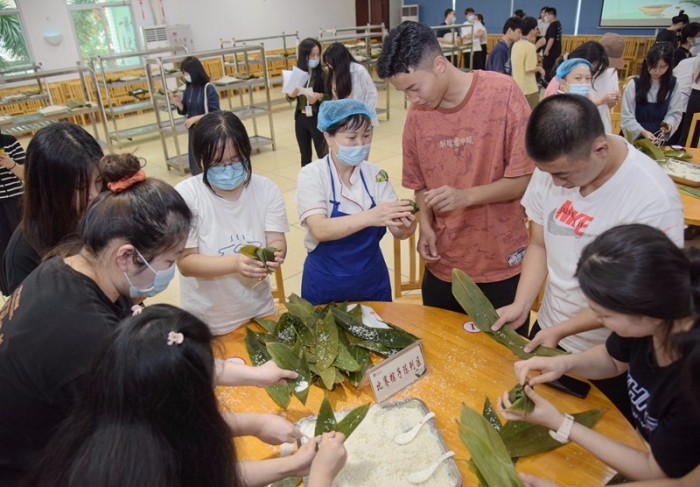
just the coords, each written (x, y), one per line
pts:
(585, 183)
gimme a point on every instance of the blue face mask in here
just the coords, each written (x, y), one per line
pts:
(227, 177)
(160, 282)
(313, 63)
(696, 41)
(352, 155)
(579, 89)
(188, 78)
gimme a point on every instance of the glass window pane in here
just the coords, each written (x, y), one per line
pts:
(92, 2)
(13, 48)
(105, 31)
(8, 4)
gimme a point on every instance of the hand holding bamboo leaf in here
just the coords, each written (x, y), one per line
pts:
(543, 412)
(519, 401)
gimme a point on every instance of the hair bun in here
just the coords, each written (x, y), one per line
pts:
(681, 12)
(119, 169)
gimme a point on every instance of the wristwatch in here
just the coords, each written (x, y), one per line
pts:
(562, 434)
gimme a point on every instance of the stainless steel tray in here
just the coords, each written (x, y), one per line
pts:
(430, 425)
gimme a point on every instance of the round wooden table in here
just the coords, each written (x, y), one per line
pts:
(462, 368)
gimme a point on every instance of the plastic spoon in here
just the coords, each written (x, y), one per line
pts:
(407, 437)
(422, 475)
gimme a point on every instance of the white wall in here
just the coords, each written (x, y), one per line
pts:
(210, 20)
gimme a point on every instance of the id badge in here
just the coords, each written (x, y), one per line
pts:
(309, 111)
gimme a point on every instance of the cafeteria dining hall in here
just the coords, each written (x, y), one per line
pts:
(358, 243)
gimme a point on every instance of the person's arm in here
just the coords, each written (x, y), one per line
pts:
(264, 472)
(628, 120)
(193, 264)
(326, 229)
(548, 47)
(426, 239)
(329, 460)
(630, 462)
(447, 198)
(234, 374)
(213, 102)
(532, 276)
(179, 100)
(11, 165)
(550, 337)
(690, 480)
(269, 428)
(674, 114)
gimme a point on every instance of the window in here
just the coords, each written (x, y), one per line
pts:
(104, 28)
(13, 46)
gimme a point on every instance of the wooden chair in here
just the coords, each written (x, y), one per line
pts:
(629, 55)
(615, 121)
(691, 132)
(416, 267)
(278, 290)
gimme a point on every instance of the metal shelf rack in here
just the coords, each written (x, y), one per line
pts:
(170, 126)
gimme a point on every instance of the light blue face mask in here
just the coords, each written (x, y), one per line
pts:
(696, 41)
(227, 177)
(352, 155)
(160, 282)
(313, 63)
(579, 89)
(188, 78)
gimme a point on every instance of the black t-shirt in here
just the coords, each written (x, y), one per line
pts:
(440, 33)
(20, 260)
(554, 32)
(50, 330)
(667, 35)
(679, 55)
(663, 410)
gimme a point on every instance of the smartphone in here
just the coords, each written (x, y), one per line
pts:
(679, 148)
(571, 386)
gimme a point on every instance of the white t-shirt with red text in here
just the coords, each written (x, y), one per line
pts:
(638, 192)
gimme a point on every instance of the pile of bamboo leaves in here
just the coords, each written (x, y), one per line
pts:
(484, 315)
(324, 345)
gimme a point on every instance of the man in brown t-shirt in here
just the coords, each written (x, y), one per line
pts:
(464, 156)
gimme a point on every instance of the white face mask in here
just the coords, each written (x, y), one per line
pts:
(579, 89)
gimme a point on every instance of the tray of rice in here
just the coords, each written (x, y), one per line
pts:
(682, 172)
(374, 458)
(53, 110)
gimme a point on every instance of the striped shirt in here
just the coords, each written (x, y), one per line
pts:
(10, 185)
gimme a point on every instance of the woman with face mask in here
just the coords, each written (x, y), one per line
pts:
(309, 99)
(574, 77)
(233, 208)
(690, 37)
(346, 205)
(200, 97)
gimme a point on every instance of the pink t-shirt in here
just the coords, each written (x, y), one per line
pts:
(478, 142)
(552, 88)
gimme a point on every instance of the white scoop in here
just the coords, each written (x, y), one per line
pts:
(407, 437)
(422, 475)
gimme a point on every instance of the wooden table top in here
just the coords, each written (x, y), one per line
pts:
(462, 367)
(691, 205)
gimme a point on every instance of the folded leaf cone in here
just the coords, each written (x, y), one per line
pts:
(519, 401)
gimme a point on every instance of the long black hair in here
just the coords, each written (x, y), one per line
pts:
(637, 270)
(593, 52)
(212, 134)
(338, 59)
(194, 68)
(62, 158)
(661, 51)
(303, 52)
(149, 417)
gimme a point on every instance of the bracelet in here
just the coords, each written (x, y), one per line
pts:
(11, 168)
(562, 434)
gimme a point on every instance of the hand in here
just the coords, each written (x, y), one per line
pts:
(545, 413)
(275, 430)
(649, 136)
(446, 198)
(612, 98)
(540, 70)
(426, 244)
(294, 93)
(314, 97)
(7, 162)
(513, 313)
(665, 128)
(274, 265)
(389, 214)
(532, 481)
(303, 457)
(547, 337)
(270, 373)
(546, 53)
(551, 368)
(248, 267)
(176, 98)
(330, 458)
(407, 221)
(190, 122)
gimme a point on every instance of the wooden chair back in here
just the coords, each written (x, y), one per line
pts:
(416, 266)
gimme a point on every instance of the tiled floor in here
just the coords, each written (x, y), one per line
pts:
(282, 167)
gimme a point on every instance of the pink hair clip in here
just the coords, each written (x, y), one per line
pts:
(136, 309)
(175, 338)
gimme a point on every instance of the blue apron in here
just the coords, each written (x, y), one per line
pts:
(348, 269)
(650, 115)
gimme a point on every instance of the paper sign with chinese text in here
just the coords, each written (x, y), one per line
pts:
(397, 372)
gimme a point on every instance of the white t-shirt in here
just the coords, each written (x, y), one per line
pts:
(221, 228)
(470, 36)
(639, 192)
(684, 76)
(604, 84)
(314, 192)
(363, 88)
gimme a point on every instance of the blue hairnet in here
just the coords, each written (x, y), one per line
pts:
(334, 111)
(567, 66)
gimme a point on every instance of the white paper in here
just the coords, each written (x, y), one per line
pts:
(296, 78)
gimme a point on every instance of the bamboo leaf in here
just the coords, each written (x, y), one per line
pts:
(268, 325)
(488, 452)
(523, 439)
(389, 337)
(519, 401)
(288, 482)
(259, 355)
(346, 361)
(285, 358)
(356, 312)
(361, 356)
(326, 418)
(250, 251)
(326, 343)
(484, 315)
(350, 422)
(490, 414)
(285, 332)
(302, 309)
(327, 377)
